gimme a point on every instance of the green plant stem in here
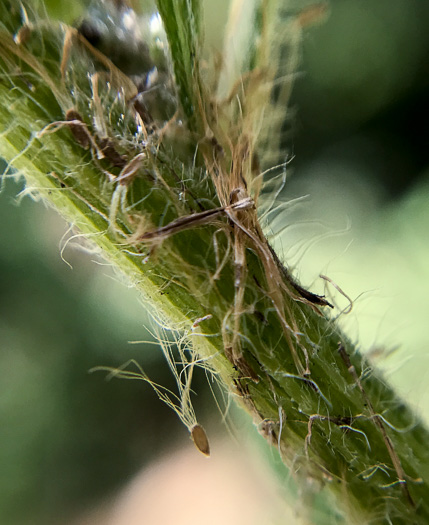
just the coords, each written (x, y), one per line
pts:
(334, 419)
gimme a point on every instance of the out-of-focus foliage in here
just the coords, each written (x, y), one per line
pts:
(363, 91)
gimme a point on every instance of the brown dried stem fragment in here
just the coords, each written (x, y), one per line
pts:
(192, 221)
(116, 77)
(239, 288)
(311, 297)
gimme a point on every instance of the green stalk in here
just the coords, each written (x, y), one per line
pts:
(183, 228)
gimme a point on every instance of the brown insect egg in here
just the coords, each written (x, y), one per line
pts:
(79, 130)
(200, 439)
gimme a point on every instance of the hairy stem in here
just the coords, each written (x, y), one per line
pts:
(174, 206)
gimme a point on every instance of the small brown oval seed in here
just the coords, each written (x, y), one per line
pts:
(200, 439)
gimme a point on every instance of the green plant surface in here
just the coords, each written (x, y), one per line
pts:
(174, 207)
